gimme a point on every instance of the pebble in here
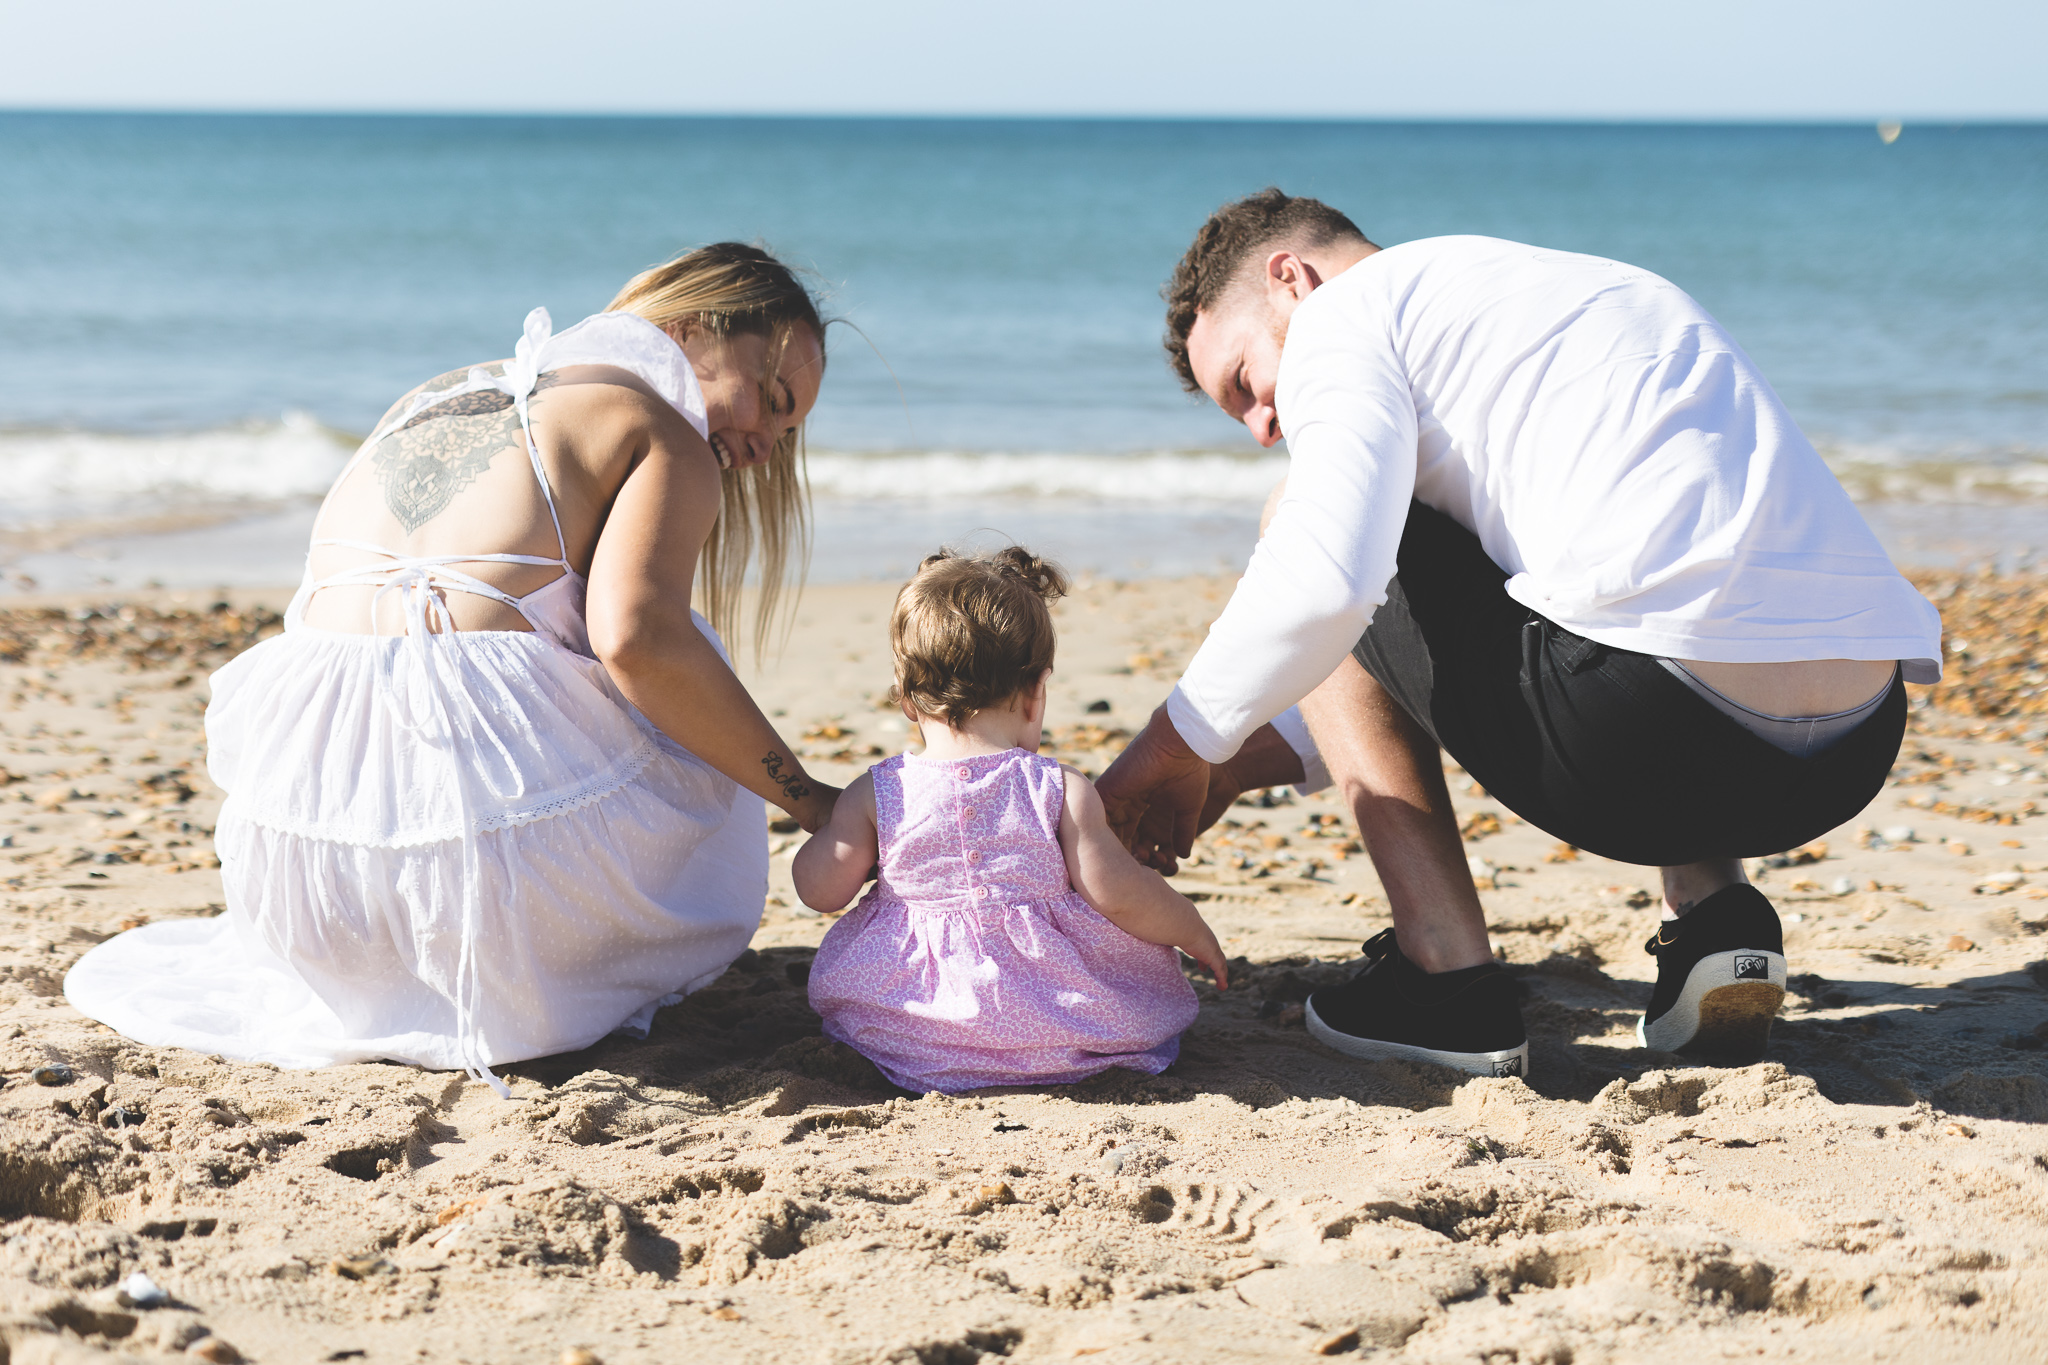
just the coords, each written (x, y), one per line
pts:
(1896, 834)
(140, 1291)
(1111, 1162)
(1006, 1126)
(53, 1073)
(998, 1194)
(1958, 944)
(214, 1349)
(577, 1355)
(1841, 886)
(361, 1267)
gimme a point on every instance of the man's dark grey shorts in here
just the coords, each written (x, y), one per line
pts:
(1600, 747)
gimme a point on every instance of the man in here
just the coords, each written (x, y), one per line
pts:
(1542, 512)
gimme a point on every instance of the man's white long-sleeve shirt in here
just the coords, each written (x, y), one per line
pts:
(1614, 450)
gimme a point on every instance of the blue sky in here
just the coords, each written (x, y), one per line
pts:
(1743, 59)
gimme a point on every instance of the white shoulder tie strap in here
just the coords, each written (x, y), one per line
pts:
(522, 376)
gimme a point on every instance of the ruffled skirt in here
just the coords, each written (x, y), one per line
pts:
(960, 997)
(469, 853)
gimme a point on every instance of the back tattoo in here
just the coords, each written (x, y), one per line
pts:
(433, 457)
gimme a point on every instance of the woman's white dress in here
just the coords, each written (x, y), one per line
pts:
(450, 848)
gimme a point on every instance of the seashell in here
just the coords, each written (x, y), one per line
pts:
(53, 1073)
(140, 1291)
(214, 1349)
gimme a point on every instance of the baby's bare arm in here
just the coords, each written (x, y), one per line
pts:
(832, 866)
(1125, 892)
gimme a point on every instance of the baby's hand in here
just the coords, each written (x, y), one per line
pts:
(1209, 953)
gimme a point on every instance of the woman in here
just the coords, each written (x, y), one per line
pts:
(496, 792)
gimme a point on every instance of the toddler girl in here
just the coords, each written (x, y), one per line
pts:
(1009, 939)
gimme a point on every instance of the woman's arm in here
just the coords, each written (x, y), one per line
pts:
(835, 863)
(641, 574)
(1131, 896)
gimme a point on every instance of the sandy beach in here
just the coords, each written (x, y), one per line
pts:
(737, 1188)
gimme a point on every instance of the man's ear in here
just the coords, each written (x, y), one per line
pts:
(1289, 280)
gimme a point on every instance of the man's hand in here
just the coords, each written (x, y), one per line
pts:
(1154, 794)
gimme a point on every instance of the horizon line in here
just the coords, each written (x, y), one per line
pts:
(930, 116)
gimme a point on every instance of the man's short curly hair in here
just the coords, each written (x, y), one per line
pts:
(1227, 244)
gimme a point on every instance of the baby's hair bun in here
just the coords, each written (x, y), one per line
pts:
(1042, 576)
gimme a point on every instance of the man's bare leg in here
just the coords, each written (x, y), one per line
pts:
(1687, 886)
(1391, 773)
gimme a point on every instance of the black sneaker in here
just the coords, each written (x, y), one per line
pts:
(1392, 1010)
(1720, 979)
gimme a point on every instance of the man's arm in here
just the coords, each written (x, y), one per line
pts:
(1311, 587)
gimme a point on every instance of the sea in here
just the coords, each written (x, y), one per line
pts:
(201, 315)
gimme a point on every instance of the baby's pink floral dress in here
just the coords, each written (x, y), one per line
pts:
(972, 961)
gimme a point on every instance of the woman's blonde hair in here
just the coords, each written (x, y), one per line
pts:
(972, 631)
(732, 289)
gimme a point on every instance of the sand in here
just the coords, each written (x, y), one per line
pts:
(737, 1188)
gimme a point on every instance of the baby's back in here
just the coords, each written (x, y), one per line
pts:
(974, 962)
(970, 831)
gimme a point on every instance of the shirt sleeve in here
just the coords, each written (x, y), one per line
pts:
(1315, 774)
(1323, 566)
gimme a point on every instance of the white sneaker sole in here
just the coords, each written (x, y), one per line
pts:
(1725, 1010)
(1512, 1061)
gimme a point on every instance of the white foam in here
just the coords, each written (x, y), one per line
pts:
(55, 477)
(1164, 478)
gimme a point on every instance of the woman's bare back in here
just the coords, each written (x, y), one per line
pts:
(455, 479)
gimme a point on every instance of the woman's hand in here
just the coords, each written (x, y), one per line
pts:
(814, 812)
(838, 858)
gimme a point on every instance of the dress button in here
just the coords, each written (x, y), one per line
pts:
(981, 893)
(967, 812)
(973, 855)
(963, 772)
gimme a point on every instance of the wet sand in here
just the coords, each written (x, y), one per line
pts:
(737, 1188)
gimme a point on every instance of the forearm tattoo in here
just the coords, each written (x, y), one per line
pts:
(443, 450)
(793, 787)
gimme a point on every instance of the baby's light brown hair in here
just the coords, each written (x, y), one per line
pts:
(972, 631)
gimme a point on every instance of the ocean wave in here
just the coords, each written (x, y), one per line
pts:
(1175, 477)
(2018, 479)
(59, 476)
(55, 477)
